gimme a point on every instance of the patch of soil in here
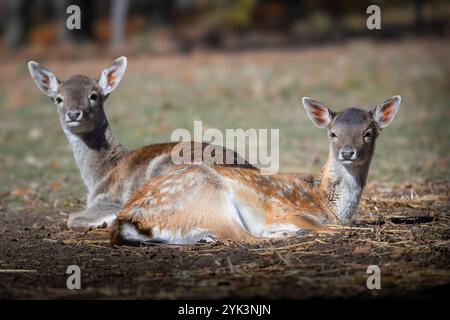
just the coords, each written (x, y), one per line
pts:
(403, 229)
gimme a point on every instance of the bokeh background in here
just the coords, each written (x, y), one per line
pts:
(232, 64)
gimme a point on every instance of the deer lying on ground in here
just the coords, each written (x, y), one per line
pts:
(188, 203)
(110, 172)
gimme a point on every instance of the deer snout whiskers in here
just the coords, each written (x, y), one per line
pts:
(73, 116)
(347, 153)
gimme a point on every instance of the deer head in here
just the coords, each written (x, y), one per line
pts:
(352, 132)
(79, 99)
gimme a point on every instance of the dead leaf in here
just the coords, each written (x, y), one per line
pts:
(55, 185)
(54, 164)
(361, 250)
(22, 192)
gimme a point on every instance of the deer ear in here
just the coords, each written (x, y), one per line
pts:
(112, 75)
(45, 80)
(384, 113)
(319, 114)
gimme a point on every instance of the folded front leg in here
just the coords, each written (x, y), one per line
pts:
(94, 217)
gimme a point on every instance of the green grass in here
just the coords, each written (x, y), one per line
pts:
(249, 90)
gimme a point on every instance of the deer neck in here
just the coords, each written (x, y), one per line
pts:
(341, 187)
(95, 153)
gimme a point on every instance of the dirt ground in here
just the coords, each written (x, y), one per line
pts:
(404, 229)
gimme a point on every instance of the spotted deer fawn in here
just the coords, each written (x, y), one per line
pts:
(188, 203)
(110, 172)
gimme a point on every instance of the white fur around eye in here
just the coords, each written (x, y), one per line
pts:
(93, 98)
(368, 135)
(59, 100)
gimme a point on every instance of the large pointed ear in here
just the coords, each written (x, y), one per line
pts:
(45, 80)
(319, 114)
(384, 113)
(112, 75)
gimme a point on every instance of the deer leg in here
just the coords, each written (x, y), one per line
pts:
(94, 217)
(307, 223)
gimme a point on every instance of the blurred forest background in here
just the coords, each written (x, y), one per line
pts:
(232, 64)
(182, 25)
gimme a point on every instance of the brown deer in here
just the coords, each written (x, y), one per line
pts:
(188, 203)
(110, 172)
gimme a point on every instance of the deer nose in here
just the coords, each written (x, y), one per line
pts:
(347, 153)
(74, 115)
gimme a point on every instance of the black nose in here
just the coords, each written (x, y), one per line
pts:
(347, 153)
(74, 115)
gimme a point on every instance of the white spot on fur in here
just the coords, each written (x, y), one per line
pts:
(190, 175)
(166, 190)
(178, 171)
(166, 182)
(151, 201)
(281, 194)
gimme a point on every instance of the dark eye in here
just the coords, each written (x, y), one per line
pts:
(93, 97)
(333, 135)
(59, 100)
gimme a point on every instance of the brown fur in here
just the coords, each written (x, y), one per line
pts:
(179, 212)
(135, 162)
(110, 173)
(240, 204)
(184, 212)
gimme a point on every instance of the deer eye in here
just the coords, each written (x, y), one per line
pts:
(93, 96)
(333, 135)
(58, 100)
(367, 135)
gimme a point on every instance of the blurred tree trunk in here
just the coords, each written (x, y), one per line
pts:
(294, 12)
(16, 23)
(161, 13)
(418, 8)
(119, 10)
(63, 32)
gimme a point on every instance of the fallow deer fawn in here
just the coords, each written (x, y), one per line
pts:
(110, 172)
(185, 204)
